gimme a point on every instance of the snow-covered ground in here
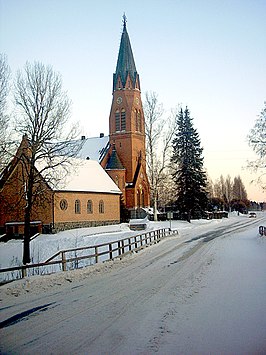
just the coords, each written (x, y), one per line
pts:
(202, 291)
(47, 245)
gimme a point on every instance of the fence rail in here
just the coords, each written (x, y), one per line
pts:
(68, 259)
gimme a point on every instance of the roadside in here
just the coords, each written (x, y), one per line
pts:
(184, 295)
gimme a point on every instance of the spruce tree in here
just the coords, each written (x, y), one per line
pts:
(189, 175)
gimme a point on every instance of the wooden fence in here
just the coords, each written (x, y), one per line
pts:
(69, 259)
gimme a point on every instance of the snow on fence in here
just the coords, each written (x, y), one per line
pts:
(262, 230)
(69, 259)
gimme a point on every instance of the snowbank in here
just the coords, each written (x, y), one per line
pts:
(47, 245)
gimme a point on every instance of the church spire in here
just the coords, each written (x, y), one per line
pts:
(124, 21)
(125, 63)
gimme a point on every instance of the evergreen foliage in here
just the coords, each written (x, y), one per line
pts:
(189, 175)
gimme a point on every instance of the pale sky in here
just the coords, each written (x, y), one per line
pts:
(208, 55)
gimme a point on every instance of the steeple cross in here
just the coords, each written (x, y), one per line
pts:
(124, 20)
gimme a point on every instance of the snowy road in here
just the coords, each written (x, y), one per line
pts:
(195, 293)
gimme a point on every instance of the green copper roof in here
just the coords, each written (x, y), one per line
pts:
(125, 62)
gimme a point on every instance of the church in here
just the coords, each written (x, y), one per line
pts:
(112, 166)
(123, 153)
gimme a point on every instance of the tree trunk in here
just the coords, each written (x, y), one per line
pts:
(189, 216)
(27, 216)
(155, 208)
(26, 249)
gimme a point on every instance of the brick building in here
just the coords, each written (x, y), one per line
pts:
(123, 155)
(81, 201)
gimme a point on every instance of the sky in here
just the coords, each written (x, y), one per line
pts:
(209, 55)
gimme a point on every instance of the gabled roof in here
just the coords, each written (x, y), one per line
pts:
(114, 163)
(94, 148)
(125, 62)
(87, 176)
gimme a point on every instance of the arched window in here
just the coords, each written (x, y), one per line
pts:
(139, 122)
(117, 120)
(138, 198)
(101, 206)
(123, 119)
(77, 206)
(136, 119)
(143, 199)
(120, 120)
(89, 206)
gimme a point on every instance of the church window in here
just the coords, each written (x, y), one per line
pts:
(123, 120)
(63, 205)
(143, 199)
(117, 120)
(77, 207)
(139, 122)
(138, 198)
(120, 120)
(89, 206)
(101, 206)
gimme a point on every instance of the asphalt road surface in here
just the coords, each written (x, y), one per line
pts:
(189, 294)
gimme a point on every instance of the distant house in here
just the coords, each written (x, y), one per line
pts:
(87, 197)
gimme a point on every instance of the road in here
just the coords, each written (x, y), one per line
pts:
(190, 294)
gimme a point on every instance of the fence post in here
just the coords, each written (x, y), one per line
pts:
(129, 244)
(96, 254)
(63, 260)
(24, 271)
(119, 248)
(123, 248)
(110, 251)
(136, 243)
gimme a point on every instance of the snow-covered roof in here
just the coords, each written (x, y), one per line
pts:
(89, 176)
(94, 148)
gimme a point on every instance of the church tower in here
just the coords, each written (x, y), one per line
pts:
(127, 129)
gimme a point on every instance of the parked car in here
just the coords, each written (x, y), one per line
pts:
(252, 215)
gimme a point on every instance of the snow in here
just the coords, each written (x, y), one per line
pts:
(81, 176)
(202, 291)
(92, 148)
(47, 245)
(88, 175)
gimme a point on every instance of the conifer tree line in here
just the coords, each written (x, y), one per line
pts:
(188, 171)
(184, 186)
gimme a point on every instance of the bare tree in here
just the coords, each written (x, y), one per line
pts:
(238, 189)
(257, 140)
(4, 90)
(43, 113)
(228, 191)
(159, 136)
(223, 189)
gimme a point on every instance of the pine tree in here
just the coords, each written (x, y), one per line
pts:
(189, 175)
